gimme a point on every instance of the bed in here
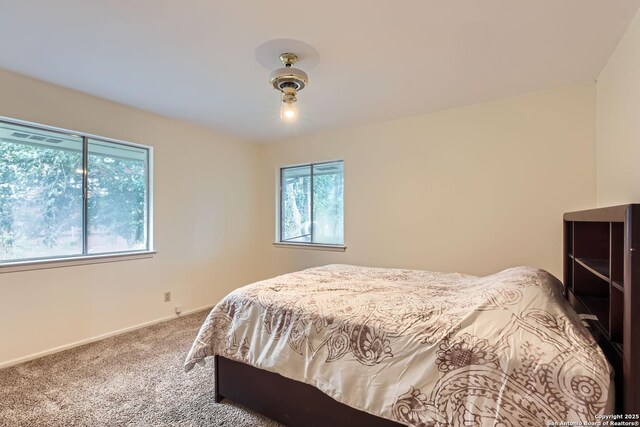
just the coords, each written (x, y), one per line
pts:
(348, 345)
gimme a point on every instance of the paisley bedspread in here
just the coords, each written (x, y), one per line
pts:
(417, 347)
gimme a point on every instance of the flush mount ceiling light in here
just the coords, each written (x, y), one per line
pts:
(289, 81)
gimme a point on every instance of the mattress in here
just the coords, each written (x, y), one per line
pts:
(417, 347)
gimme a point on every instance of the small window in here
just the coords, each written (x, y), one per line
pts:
(67, 195)
(312, 204)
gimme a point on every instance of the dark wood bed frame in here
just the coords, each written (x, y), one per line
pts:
(601, 269)
(289, 402)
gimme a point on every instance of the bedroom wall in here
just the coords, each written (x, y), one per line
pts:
(474, 189)
(618, 106)
(204, 207)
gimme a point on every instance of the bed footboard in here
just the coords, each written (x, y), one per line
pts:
(287, 401)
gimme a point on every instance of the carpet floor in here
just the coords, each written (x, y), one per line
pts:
(134, 379)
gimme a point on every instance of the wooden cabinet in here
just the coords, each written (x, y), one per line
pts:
(601, 278)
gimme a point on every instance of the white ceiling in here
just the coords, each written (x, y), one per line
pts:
(196, 59)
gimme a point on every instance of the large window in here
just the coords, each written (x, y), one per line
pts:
(312, 204)
(65, 195)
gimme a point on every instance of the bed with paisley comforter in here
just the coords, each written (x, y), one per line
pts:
(419, 348)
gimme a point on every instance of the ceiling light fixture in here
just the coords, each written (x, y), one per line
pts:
(289, 81)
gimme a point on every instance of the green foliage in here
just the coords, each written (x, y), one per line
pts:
(117, 200)
(328, 203)
(328, 207)
(41, 196)
(296, 205)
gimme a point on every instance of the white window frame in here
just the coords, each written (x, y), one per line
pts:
(86, 258)
(279, 243)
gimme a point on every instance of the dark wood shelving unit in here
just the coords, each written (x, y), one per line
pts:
(599, 267)
(601, 278)
(618, 286)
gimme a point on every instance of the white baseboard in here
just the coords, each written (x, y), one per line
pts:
(97, 338)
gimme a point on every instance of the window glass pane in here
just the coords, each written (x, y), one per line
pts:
(117, 202)
(328, 203)
(40, 193)
(296, 204)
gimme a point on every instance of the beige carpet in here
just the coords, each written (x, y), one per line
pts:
(135, 379)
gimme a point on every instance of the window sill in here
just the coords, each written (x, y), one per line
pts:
(41, 264)
(312, 246)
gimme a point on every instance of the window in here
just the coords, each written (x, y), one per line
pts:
(312, 204)
(45, 174)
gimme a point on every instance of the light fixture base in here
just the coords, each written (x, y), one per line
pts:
(289, 77)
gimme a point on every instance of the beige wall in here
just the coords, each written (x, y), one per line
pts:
(474, 189)
(204, 214)
(618, 100)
